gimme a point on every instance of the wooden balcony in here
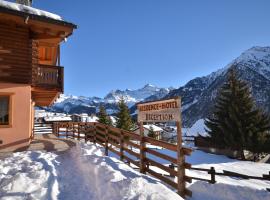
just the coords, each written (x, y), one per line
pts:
(48, 77)
(47, 84)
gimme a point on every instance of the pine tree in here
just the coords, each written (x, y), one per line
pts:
(151, 132)
(236, 123)
(103, 116)
(124, 120)
(257, 140)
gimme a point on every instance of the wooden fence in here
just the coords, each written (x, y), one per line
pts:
(213, 173)
(132, 148)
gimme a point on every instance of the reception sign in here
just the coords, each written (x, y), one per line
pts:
(160, 111)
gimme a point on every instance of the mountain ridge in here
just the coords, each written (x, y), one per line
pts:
(198, 94)
(77, 104)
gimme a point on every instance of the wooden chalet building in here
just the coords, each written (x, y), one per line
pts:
(30, 71)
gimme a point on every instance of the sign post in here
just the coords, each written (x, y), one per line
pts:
(168, 110)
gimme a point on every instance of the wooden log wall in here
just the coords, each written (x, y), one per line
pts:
(16, 56)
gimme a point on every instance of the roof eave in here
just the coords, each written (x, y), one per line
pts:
(37, 17)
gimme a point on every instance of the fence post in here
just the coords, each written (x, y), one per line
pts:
(121, 146)
(67, 125)
(172, 167)
(54, 128)
(142, 149)
(57, 129)
(73, 127)
(79, 130)
(95, 133)
(181, 184)
(147, 165)
(106, 141)
(212, 172)
(266, 176)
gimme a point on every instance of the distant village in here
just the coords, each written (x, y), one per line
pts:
(162, 131)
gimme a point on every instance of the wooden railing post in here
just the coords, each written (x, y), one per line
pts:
(171, 166)
(267, 176)
(121, 146)
(95, 133)
(67, 125)
(181, 184)
(79, 130)
(212, 172)
(106, 141)
(142, 149)
(57, 129)
(54, 128)
(73, 127)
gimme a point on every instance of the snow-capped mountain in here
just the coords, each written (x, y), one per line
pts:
(133, 96)
(198, 95)
(79, 104)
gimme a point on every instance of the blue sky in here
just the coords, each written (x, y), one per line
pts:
(123, 44)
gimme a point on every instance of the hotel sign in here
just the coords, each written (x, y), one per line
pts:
(160, 111)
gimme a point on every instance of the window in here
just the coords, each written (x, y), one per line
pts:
(5, 110)
(47, 53)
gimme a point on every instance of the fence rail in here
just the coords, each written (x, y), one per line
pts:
(213, 173)
(131, 148)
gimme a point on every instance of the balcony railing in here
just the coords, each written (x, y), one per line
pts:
(49, 77)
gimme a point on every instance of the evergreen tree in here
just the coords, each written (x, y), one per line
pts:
(236, 123)
(103, 116)
(124, 120)
(258, 141)
(151, 132)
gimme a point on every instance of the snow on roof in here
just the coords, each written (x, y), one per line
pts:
(155, 128)
(57, 118)
(29, 10)
(197, 129)
(92, 119)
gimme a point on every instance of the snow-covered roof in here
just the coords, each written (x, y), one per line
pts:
(28, 9)
(197, 129)
(92, 119)
(57, 118)
(19, 9)
(155, 128)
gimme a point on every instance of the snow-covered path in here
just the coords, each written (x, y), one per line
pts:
(81, 173)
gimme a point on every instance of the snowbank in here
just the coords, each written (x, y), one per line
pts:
(229, 188)
(28, 9)
(219, 191)
(81, 173)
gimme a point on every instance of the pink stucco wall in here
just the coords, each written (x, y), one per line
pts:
(22, 111)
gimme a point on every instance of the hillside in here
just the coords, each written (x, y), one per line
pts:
(198, 95)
